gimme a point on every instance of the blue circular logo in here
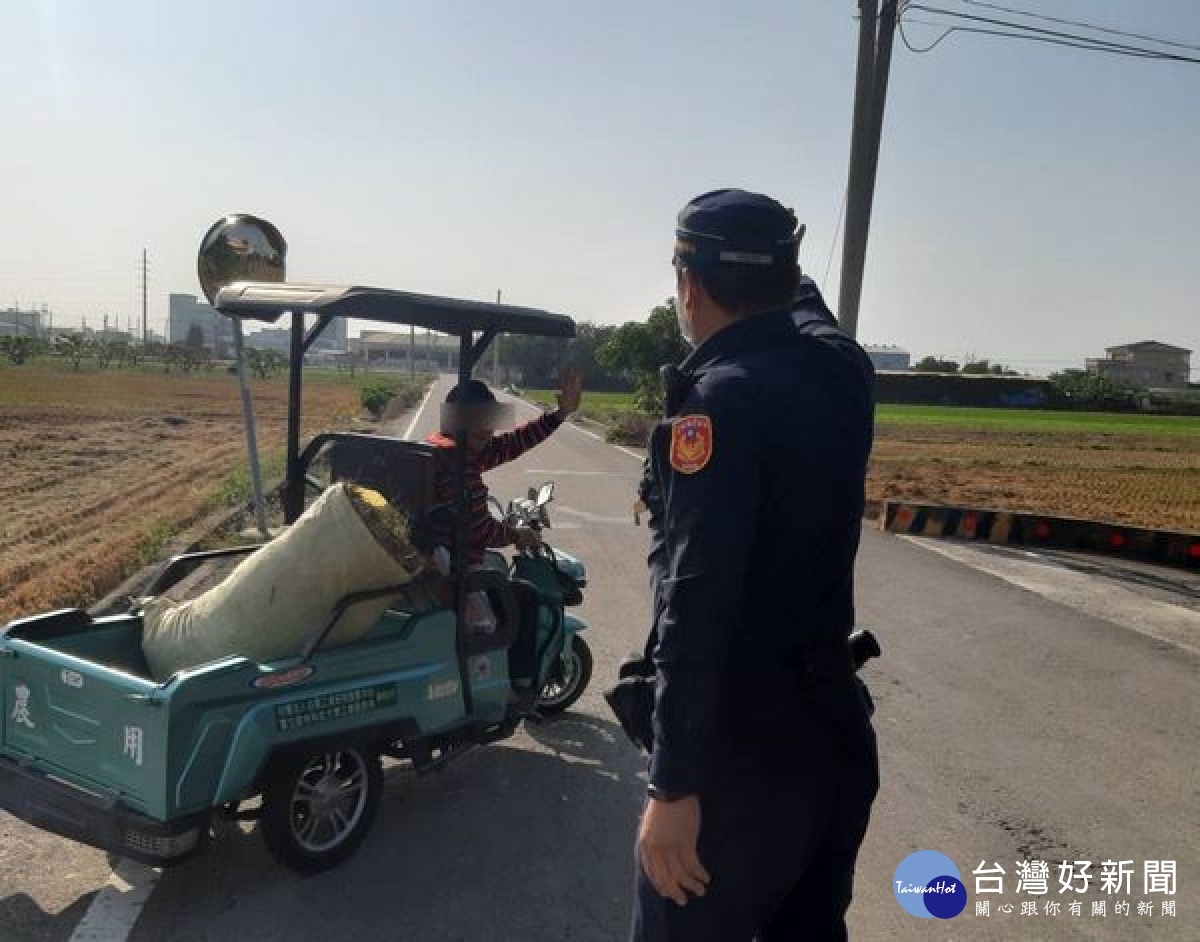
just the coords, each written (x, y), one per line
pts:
(928, 884)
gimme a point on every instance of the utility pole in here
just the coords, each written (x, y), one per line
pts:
(876, 29)
(145, 331)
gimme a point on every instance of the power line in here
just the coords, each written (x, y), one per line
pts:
(1085, 45)
(1035, 33)
(833, 242)
(1014, 30)
(1098, 29)
(1057, 37)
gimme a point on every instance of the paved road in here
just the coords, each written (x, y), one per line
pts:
(1014, 724)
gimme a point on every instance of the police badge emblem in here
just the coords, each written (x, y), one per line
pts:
(691, 443)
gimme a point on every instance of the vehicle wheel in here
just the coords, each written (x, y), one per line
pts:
(568, 680)
(317, 807)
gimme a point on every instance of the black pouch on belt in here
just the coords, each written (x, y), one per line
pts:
(839, 661)
(632, 701)
(864, 646)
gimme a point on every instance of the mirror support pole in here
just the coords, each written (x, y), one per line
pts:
(293, 487)
(260, 511)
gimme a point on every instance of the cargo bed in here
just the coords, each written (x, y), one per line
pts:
(94, 748)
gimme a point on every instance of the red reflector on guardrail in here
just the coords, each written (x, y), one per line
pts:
(1041, 530)
(1194, 551)
(1116, 540)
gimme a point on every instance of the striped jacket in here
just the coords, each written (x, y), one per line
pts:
(484, 530)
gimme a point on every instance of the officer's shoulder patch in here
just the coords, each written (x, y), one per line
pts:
(691, 443)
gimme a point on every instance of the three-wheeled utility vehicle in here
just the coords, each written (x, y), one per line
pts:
(95, 749)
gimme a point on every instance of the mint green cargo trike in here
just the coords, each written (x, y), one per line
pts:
(94, 748)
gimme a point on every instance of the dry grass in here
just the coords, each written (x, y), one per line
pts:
(1139, 479)
(98, 468)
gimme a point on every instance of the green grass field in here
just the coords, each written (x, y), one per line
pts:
(1035, 420)
(591, 400)
(1009, 420)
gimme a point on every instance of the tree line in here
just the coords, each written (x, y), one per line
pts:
(969, 368)
(1073, 388)
(76, 349)
(622, 358)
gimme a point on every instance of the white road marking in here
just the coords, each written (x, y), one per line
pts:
(1162, 621)
(116, 907)
(421, 408)
(621, 448)
(594, 518)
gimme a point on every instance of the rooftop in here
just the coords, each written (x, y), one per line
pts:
(1146, 346)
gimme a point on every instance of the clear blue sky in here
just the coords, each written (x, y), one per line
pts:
(1035, 204)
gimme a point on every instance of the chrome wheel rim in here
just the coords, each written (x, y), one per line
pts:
(560, 688)
(328, 800)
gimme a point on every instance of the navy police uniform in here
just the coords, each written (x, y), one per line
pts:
(754, 487)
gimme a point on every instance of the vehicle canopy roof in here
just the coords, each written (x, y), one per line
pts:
(264, 301)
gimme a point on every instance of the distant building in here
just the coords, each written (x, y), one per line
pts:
(430, 352)
(333, 338)
(1147, 365)
(270, 338)
(15, 322)
(110, 335)
(336, 337)
(887, 357)
(187, 311)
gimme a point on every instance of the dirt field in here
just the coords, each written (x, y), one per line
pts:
(1150, 480)
(99, 467)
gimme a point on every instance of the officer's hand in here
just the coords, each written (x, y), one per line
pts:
(571, 392)
(667, 842)
(526, 538)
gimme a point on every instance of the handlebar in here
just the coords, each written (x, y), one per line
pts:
(526, 512)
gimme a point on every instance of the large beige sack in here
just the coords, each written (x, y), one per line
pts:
(349, 540)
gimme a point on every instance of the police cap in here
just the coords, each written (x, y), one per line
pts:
(736, 228)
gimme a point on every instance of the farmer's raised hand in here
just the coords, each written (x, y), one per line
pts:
(571, 392)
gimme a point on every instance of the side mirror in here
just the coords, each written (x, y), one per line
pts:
(240, 247)
(546, 494)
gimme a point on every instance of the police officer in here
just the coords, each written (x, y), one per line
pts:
(763, 766)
